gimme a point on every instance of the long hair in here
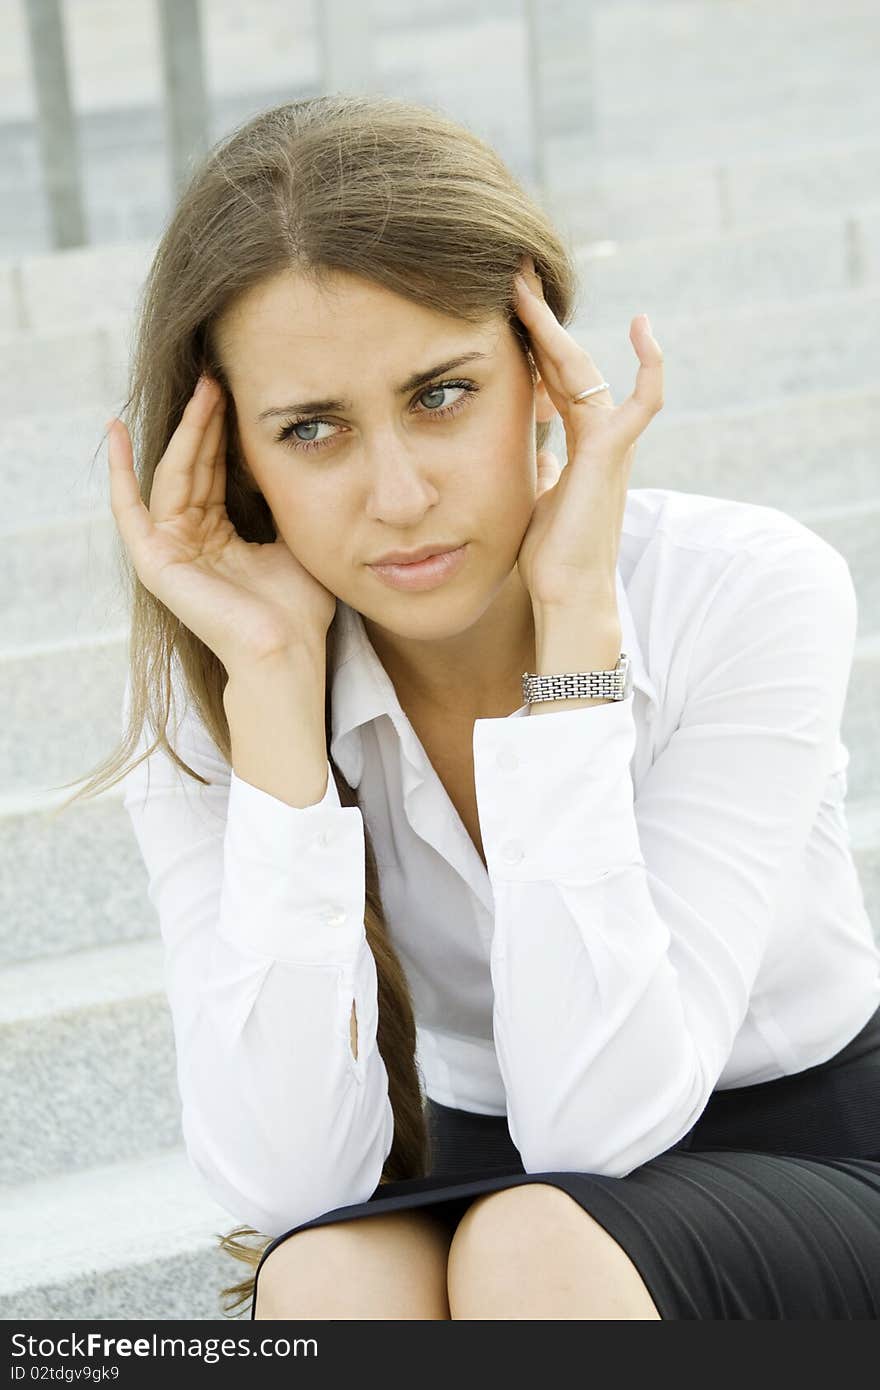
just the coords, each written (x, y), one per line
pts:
(409, 199)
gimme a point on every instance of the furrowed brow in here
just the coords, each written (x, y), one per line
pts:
(417, 379)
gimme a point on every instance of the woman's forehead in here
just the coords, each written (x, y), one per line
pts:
(320, 348)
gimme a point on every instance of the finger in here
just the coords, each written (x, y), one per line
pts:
(217, 495)
(205, 467)
(173, 480)
(130, 513)
(647, 396)
(566, 368)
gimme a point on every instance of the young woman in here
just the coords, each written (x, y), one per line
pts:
(516, 957)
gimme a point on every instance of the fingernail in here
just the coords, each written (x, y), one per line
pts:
(200, 384)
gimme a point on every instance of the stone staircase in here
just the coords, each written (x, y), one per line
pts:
(761, 274)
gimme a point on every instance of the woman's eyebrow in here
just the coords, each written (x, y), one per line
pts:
(417, 379)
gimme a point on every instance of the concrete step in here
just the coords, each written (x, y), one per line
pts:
(53, 465)
(743, 355)
(136, 1239)
(61, 370)
(595, 201)
(705, 273)
(77, 287)
(853, 532)
(69, 572)
(796, 452)
(88, 1063)
(70, 883)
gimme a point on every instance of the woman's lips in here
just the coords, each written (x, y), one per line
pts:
(426, 574)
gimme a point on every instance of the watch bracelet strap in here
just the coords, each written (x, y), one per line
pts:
(575, 685)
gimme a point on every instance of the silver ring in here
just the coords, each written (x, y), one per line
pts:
(582, 395)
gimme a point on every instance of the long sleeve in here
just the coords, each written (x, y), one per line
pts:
(261, 912)
(629, 932)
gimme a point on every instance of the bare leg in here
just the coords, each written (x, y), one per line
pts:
(532, 1252)
(385, 1267)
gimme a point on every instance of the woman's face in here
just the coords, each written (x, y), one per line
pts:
(379, 467)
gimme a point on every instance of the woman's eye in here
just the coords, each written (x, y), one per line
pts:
(289, 433)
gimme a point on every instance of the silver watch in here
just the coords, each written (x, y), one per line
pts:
(580, 685)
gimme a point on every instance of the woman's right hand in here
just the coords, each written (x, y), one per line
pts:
(244, 599)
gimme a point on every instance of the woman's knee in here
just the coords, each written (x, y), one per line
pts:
(386, 1266)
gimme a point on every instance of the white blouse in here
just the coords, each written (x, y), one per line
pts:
(670, 903)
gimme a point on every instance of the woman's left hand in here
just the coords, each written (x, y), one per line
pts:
(569, 551)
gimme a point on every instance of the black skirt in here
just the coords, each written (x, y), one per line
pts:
(768, 1208)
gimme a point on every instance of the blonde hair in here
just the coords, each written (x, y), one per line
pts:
(411, 200)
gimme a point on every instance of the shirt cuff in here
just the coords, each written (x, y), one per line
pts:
(294, 877)
(555, 795)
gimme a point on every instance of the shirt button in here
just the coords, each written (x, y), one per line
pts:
(507, 760)
(324, 838)
(334, 916)
(512, 852)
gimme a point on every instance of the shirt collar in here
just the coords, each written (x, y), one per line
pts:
(361, 689)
